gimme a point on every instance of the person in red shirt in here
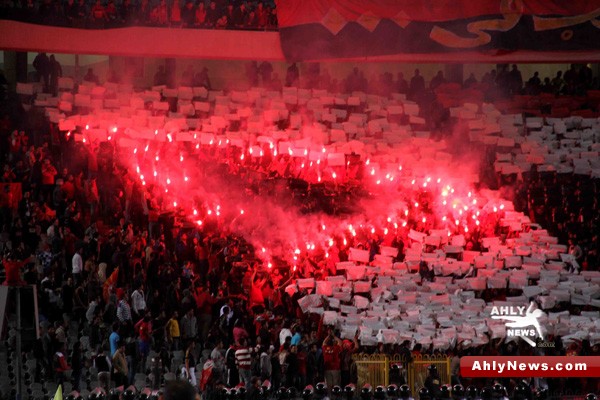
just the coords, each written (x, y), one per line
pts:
(13, 270)
(204, 302)
(68, 188)
(331, 359)
(98, 15)
(349, 348)
(143, 328)
(257, 300)
(60, 364)
(239, 332)
(302, 355)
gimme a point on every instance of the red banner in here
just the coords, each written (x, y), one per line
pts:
(329, 29)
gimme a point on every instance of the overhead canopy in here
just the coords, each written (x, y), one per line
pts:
(449, 29)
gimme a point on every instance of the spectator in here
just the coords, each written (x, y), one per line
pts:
(218, 359)
(127, 13)
(175, 15)
(114, 339)
(534, 84)
(558, 83)
(48, 174)
(189, 326)
(470, 82)
(212, 15)
(82, 14)
(233, 377)
(67, 296)
(188, 14)
(251, 20)
(60, 364)
(160, 14)
(346, 361)
(273, 22)
(123, 309)
(76, 365)
(98, 16)
(190, 362)
(173, 334)
(77, 264)
(222, 22)
(229, 14)
(262, 16)
(516, 80)
(437, 80)
(239, 332)
(401, 84)
(144, 12)
(160, 78)
(292, 368)
(91, 77)
(119, 363)
(41, 64)
(70, 12)
(314, 365)
(138, 302)
(265, 366)
(204, 304)
(201, 79)
(187, 78)
(200, 16)
(331, 360)
(112, 14)
(243, 361)
(292, 76)
(547, 87)
(417, 85)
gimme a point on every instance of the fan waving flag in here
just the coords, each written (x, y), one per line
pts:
(336, 29)
(110, 282)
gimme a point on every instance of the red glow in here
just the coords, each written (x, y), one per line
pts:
(405, 196)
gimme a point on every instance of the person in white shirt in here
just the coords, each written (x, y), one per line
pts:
(138, 301)
(91, 311)
(52, 230)
(285, 332)
(77, 266)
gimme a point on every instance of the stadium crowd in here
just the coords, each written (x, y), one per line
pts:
(215, 14)
(127, 289)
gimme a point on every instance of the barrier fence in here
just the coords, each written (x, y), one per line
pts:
(384, 369)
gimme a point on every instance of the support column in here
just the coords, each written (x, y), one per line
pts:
(454, 73)
(15, 67)
(171, 70)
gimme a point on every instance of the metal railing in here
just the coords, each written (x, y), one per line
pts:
(375, 369)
